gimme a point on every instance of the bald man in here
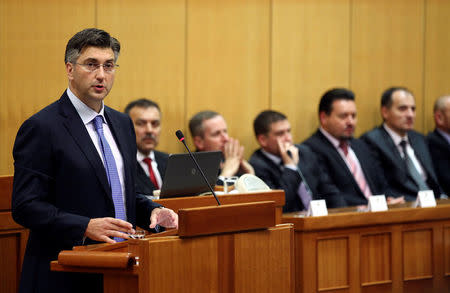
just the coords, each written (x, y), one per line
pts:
(439, 142)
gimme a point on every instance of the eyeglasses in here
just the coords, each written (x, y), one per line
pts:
(107, 67)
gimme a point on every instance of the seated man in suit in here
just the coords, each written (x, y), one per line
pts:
(439, 142)
(281, 164)
(209, 133)
(151, 164)
(402, 152)
(346, 160)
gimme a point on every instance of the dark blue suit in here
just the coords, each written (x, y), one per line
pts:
(143, 183)
(334, 165)
(60, 183)
(289, 180)
(394, 168)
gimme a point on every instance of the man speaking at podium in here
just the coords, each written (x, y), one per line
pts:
(75, 166)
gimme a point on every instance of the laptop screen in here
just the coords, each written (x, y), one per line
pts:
(182, 177)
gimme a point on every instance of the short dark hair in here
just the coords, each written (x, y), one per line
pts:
(386, 97)
(326, 102)
(141, 103)
(91, 37)
(262, 122)
(196, 122)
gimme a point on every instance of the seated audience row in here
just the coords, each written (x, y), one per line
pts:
(391, 159)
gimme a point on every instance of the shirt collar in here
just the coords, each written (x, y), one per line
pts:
(140, 156)
(86, 113)
(395, 137)
(334, 141)
(274, 158)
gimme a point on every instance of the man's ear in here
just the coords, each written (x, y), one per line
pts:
(262, 140)
(384, 112)
(438, 118)
(322, 117)
(69, 70)
(199, 143)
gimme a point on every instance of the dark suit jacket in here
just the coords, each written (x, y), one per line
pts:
(60, 183)
(143, 183)
(336, 168)
(394, 167)
(440, 153)
(289, 180)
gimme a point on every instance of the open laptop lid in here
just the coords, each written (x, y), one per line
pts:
(182, 177)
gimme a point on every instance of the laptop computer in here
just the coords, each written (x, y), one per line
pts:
(182, 177)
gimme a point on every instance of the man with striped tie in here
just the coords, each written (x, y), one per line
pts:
(346, 160)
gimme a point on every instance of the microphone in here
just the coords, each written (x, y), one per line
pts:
(180, 136)
(302, 177)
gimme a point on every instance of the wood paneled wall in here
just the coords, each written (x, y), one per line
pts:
(237, 57)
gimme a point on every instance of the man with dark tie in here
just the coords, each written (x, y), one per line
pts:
(346, 160)
(151, 164)
(74, 171)
(209, 132)
(439, 142)
(401, 151)
(283, 165)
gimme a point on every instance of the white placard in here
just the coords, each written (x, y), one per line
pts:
(425, 199)
(377, 203)
(317, 208)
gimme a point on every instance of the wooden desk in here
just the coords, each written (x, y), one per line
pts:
(402, 250)
(13, 238)
(177, 203)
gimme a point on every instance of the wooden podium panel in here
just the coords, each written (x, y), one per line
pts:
(13, 239)
(404, 249)
(256, 261)
(177, 203)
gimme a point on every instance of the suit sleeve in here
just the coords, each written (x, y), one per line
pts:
(33, 195)
(289, 181)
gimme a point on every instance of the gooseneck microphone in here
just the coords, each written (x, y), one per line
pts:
(180, 136)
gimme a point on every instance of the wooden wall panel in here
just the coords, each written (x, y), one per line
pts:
(437, 56)
(386, 50)
(236, 57)
(152, 35)
(33, 37)
(333, 263)
(228, 62)
(310, 54)
(417, 255)
(375, 259)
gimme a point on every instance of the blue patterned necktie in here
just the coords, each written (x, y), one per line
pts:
(111, 171)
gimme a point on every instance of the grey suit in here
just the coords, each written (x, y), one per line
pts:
(394, 167)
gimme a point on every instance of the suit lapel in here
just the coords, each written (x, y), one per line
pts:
(390, 149)
(77, 130)
(332, 150)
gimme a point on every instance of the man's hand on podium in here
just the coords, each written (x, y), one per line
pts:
(163, 217)
(101, 229)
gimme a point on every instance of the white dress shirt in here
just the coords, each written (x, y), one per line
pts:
(87, 115)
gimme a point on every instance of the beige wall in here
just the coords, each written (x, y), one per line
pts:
(237, 57)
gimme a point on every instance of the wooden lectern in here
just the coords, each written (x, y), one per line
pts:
(228, 248)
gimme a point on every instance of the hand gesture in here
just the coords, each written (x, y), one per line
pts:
(163, 217)
(101, 229)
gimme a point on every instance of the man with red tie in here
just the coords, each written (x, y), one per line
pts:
(151, 164)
